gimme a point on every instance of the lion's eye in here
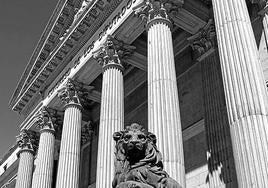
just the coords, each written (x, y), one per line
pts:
(127, 137)
(141, 137)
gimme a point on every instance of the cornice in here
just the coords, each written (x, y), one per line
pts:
(70, 44)
(61, 19)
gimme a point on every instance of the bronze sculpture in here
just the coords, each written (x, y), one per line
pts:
(138, 162)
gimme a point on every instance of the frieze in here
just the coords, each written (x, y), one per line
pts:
(61, 80)
(116, 18)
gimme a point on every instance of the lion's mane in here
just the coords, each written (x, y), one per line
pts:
(150, 168)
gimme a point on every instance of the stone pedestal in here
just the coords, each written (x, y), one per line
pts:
(163, 101)
(27, 142)
(112, 111)
(69, 159)
(245, 92)
(42, 177)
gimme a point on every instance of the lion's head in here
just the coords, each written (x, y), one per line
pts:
(134, 142)
(136, 149)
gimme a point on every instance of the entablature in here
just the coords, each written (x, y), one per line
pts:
(78, 63)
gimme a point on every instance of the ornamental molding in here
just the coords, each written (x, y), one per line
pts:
(113, 53)
(28, 140)
(151, 10)
(204, 41)
(90, 21)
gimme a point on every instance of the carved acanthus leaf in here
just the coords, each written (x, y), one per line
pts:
(45, 119)
(75, 92)
(113, 52)
(28, 140)
(153, 9)
(204, 40)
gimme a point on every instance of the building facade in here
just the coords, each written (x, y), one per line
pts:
(193, 72)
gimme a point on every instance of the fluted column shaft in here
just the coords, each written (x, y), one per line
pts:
(163, 101)
(265, 27)
(220, 155)
(25, 171)
(111, 120)
(42, 177)
(68, 169)
(27, 140)
(245, 93)
(112, 108)
(264, 13)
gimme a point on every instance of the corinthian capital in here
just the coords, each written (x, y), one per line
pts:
(113, 53)
(45, 120)
(69, 94)
(156, 10)
(75, 93)
(204, 40)
(27, 141)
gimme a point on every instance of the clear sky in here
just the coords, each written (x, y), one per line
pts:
(21, 25)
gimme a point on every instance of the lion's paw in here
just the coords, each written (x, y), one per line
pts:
(132, 184)
(128, 185)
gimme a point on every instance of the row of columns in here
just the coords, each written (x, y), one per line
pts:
(245, 95)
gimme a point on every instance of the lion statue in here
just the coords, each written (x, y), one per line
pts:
(138, 162)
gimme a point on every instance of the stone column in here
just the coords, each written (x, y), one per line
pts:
(265, 25)
(68, 169)
(27, 141)
(245, 92)
(219, 148)
(112, 108)
(264, 13)
(163, 101)
(42, 177)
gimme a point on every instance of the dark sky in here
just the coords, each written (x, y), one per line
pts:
(21, 25)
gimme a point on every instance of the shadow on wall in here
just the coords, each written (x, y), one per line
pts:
(219, 148)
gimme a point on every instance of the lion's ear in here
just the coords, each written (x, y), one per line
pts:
(152, 137)
(117, 135)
